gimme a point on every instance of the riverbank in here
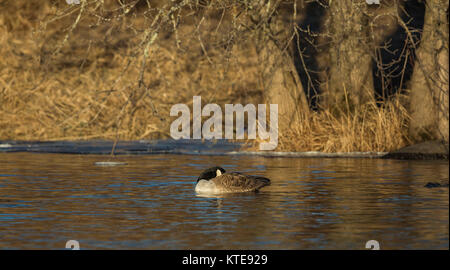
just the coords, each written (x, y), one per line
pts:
(94, 86)
(424, 151)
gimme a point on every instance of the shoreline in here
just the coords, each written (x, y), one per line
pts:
(430, 150)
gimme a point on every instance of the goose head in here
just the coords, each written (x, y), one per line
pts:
(211, 173)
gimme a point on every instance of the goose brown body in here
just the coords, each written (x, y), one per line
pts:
(237, 182)
(215, 180)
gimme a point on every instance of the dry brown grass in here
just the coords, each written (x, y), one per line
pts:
(93, 89)
(370, 129)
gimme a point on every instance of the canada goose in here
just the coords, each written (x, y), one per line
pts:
(215, 181)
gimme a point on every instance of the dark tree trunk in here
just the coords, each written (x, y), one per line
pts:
(350, 82)
(429, 85)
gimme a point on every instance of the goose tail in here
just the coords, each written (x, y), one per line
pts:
(262, 181)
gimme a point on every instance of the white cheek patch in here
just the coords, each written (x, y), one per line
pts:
(218, 173)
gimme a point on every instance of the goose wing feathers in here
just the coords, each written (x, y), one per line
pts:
(238, 182)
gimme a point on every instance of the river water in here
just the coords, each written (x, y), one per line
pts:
(148, 202)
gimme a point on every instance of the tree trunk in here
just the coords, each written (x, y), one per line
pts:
(350, 82)
(429, 84)
(282, 86)
(279, 77)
